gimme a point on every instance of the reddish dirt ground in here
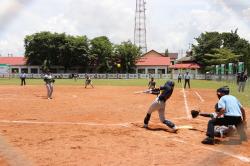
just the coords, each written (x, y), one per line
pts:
(103, 126)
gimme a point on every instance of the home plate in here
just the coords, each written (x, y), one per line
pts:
(184, 127)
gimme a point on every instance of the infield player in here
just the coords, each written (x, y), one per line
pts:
(49, 81)
(233, 112)
(159, 105)
(88, 81)
(152, 84)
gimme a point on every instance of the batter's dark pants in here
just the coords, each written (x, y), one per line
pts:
(23, 81)
(227, 120)
(187, 81)
(179, 80)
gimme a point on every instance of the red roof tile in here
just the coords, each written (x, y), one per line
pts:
(12, 60)
(153, 58)
(153, 61)
(185, 66)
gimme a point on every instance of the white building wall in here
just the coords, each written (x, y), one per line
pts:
(155, 68)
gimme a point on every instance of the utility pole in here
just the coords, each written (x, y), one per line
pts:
(140, 25)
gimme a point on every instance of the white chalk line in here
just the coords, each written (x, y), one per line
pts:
(199, 96)
(63, 123)
(239, 157)
(12, 155)
(128, 124)
(186, 104)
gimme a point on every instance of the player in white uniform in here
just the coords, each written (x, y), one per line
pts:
(88, 81)
(49, 81)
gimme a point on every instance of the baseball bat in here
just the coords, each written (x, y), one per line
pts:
(143, 91)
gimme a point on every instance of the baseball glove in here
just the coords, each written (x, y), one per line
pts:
(195, 113)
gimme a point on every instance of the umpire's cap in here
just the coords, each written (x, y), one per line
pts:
(224, 90)
(170, 83)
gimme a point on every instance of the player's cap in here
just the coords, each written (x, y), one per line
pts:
(224, 90)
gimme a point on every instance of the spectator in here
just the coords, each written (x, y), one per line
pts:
(242, 82)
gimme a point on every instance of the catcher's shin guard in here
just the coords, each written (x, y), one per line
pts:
(147, 118)
(169, 123)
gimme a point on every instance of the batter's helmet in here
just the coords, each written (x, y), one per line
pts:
(224, 90)
(170, 83)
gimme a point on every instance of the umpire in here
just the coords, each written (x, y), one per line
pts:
(23, 77)
(187, 80)
(234, 114)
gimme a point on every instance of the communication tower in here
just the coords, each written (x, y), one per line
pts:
(140, 25)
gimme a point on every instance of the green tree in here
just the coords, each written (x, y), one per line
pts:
(127, 54)
(73, 52)
(214, 47)
(39, 49)
(47, 49)
(166, 52)
(100, 54)
(221, 56)
(206, 43)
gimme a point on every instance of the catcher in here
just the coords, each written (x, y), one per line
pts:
(233, 114)
(219, 131)
(159, 105)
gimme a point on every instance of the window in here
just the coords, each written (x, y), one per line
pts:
(14, 70)
(25, 70)
(34, 70)
(141, 71)
(161, 71)
(151, 71)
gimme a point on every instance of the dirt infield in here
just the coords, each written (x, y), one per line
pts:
(103, 126)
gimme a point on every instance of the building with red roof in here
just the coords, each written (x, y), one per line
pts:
(13, 61)
(185, 64)
(18, 65)
(153, 62)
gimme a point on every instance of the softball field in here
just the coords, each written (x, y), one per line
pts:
(103, 126)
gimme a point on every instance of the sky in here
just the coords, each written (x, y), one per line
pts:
(171, 25)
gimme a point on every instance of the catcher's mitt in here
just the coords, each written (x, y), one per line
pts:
(195, 113)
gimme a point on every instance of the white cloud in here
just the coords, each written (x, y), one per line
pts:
(12, 45)
(246, 13)
(171, 25)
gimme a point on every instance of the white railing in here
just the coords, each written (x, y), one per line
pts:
(127, 76)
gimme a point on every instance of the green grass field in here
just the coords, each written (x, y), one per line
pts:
(203, 84)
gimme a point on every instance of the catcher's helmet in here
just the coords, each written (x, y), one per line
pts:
(224, 90)
(170, 83)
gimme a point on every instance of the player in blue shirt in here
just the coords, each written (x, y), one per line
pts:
(233, 114)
